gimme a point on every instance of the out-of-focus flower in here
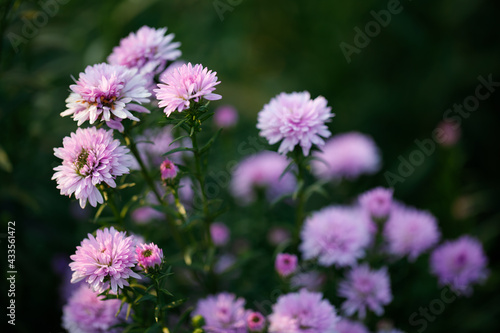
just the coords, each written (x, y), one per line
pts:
(377, 202)
(170, 69)
(335, 235)
(224, 262)
(147, 50)
(107, 93)
(311, 280)
(410, 231)
(184, 84)
(168, 169)
(226, 116)
(105, 260)
(261, 171)
(347, 155)
(460, 263)
(447, 133)
(145, 214)
(220, 233)
(148, 255)
(256, 322)
(278, 235)
(365, 288)
(222, 313)
(295, 119)
(90, 157)
(303, 312)
(87, 312)
(286, 264)
(348, 326)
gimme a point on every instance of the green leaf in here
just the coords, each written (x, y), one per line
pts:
(179, 138)
(174, 304)
(156, 327)
(99, 212)
(184, 318)
(207, 146)
(147, 297)
(4, 161)
(316, 188)
(280, 198)
(300, 185)
(206, 116)
(179, 123)
(166, 292)
(288, 168)
(175, 150)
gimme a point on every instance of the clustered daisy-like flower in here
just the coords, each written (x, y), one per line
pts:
(87, 312)
(295, 119)
(147, 50)
(184, 84)
(365, 288)
(90, 157)
(222, 313)
(410, 232)
(459, 263)
(107, 93)
(148, 255)
(263, 171)
(302, 312)
(335, 235)
(105, 260)
(347, 155)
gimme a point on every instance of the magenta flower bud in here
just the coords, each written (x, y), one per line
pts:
(256, 322)
(168, 170)
(148, 255)
(285, 264)
(226, 116)
(220, 233)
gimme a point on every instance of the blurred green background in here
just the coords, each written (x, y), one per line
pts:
(396, 89)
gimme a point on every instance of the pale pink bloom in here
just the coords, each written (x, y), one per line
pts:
(184, 84)
(347, 155)
(256, 322)
(220, 233)
(295, 119)
(148, 50)
(90, 157)
(105, 260)
(107, 93)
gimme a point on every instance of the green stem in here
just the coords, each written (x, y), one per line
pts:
(111, 203)
(301, 202)
(133, 148)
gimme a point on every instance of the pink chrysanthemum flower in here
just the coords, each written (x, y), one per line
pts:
(184, 84)
(303, 312)
(148, 50)
(220, 233)
(335, 235)
(347, 155)
(377, 202)
(90, 157)
(107, 93)
(256, 322)
(286, 264)
(410, 232)
(348, 326)
(365, 288)
(105, 260)
(460, 263)
(296, 119)
(222, 313)
(261, 171)
(87, 312)
(168, 169)
(148, 255)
